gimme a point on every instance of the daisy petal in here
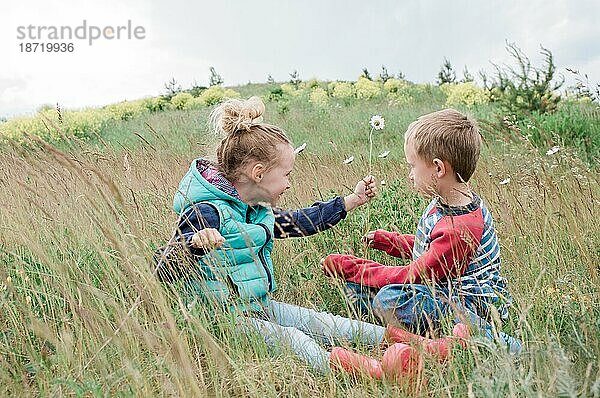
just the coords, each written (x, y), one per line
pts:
(300, 148)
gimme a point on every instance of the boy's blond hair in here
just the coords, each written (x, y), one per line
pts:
(449, 136)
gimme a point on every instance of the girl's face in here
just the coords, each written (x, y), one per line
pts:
(276, 180)
(422, 174)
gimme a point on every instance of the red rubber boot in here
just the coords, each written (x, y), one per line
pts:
(436, 347)
(355, 363)
(402, 363)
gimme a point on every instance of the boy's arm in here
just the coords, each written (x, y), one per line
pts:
(310, 220)
(393, 243)
(448, 255)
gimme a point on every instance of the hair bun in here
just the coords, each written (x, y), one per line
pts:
(235, 115)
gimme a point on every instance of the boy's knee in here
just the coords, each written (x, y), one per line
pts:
(386, 302)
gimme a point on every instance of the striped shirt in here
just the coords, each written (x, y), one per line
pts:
(455, 248)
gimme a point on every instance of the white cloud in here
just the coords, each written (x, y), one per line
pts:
(246, 41)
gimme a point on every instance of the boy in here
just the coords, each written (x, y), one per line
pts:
(455, 255)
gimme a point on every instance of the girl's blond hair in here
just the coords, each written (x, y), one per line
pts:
(245, 137)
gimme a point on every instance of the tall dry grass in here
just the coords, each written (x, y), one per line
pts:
(83, 314)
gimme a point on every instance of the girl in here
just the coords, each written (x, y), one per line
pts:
(228, 220)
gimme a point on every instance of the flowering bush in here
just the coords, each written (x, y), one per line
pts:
(366, 88)
(81, 123)
(14, 128)
(180, 100)
(290, 90)
(194, 103)
(464, 94)
(343, 90)
(155, 104)
(216, 94)
(125, 110)
(395, 85)
(318, 96)
(84, 123)
(312, 83)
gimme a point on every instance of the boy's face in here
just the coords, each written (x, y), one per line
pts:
(422, 173)
(276, 180)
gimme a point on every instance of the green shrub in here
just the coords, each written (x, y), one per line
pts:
(526, 88)
(574, 124)
(275, 93)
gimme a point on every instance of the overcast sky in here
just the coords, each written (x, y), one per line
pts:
(248, 40)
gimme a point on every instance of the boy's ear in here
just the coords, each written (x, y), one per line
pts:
(440, 167)
(257, 171)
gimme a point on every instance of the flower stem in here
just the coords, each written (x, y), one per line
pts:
(370, 149)
(368, 220)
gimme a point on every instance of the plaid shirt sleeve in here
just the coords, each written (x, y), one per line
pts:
(310, 220)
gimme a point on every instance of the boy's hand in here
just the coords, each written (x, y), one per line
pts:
(364, 191)
(369, 238)
(208, 238)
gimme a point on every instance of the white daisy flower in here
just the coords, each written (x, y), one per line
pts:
(505, 181)
(553, 150)
(300, 148)
(377, 122)
(349, 160)
(383, 154)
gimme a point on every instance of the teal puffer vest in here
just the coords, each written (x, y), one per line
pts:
(239, 274)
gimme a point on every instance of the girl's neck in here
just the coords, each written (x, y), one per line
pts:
(245, 191)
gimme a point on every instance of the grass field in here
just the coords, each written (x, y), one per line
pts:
(83, 315)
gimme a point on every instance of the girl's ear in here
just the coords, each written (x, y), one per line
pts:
(257, 171)
(440, 167)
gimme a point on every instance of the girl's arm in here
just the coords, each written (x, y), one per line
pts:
(322, 215)
(310, 220)
(171, 259)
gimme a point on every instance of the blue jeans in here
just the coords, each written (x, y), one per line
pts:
(419, 308)
(303, 330)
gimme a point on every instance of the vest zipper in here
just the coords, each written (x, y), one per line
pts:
(263, 261)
